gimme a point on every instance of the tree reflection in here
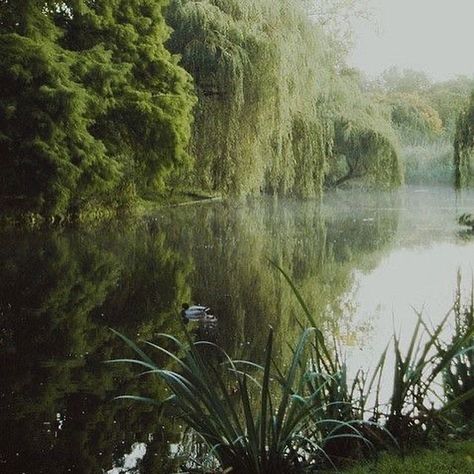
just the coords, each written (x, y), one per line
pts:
(60, 294)
(318, 246)
(61, 291)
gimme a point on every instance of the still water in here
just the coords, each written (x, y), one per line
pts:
(363, 261)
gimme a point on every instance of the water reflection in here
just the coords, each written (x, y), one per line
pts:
(318, 248)
(61, 291)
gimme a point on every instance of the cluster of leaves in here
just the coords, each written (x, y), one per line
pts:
(91, 102)
(436, 101)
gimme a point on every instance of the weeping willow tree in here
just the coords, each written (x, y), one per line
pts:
(265, 75)
(365, 144)
(464, 147)
(259, 73)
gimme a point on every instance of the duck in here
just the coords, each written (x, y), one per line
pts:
(197, 313)
(467, 220)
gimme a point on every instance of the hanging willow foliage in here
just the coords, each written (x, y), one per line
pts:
(366, 144)
(255, 96)
(270, 98)
(464, 147)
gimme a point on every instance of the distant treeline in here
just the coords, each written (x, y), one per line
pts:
(424, 114)
(105, 102)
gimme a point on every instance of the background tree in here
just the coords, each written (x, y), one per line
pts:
(464, 146)
(424, 115)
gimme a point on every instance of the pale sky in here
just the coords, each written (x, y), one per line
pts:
(435, 36)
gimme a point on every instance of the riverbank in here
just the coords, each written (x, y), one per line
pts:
(97, 213)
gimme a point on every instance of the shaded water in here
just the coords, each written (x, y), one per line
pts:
(361, 260)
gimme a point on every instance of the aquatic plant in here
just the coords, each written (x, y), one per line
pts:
(458, 376)
(262, 418)
(254, 418)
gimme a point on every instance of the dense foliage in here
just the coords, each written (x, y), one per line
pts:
(424, 115)
(365, 143)
(94, 110)
(92, 106)
(272, 96)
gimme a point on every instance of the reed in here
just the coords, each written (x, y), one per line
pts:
(254, 418)
(459, 374)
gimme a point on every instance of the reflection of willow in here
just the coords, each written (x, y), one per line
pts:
(318, 247)
(59, 295)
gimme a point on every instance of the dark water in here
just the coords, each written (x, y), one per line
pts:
(358, 259)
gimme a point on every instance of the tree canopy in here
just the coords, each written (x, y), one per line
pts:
(271, 93)
(464, 146)
(91, 103)
(101, 102)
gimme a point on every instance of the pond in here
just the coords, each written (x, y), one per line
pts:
(364, 261)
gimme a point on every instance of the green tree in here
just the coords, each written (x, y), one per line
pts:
(424, 114)
(270, 90)
(145, 119)
(48, 154)
(93, 108)
(366, 147)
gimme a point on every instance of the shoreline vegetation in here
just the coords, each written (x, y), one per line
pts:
(102, 111)
(451, 457)
(309, 414)
(90, 214)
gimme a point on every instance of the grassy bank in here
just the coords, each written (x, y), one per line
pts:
(451, 458)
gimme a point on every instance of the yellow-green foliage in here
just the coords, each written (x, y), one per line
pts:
(366, 145)
(424, 115)
(265, 75)
(414, 115)
(464, 147)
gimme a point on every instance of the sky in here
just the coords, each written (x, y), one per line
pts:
(434, 36)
